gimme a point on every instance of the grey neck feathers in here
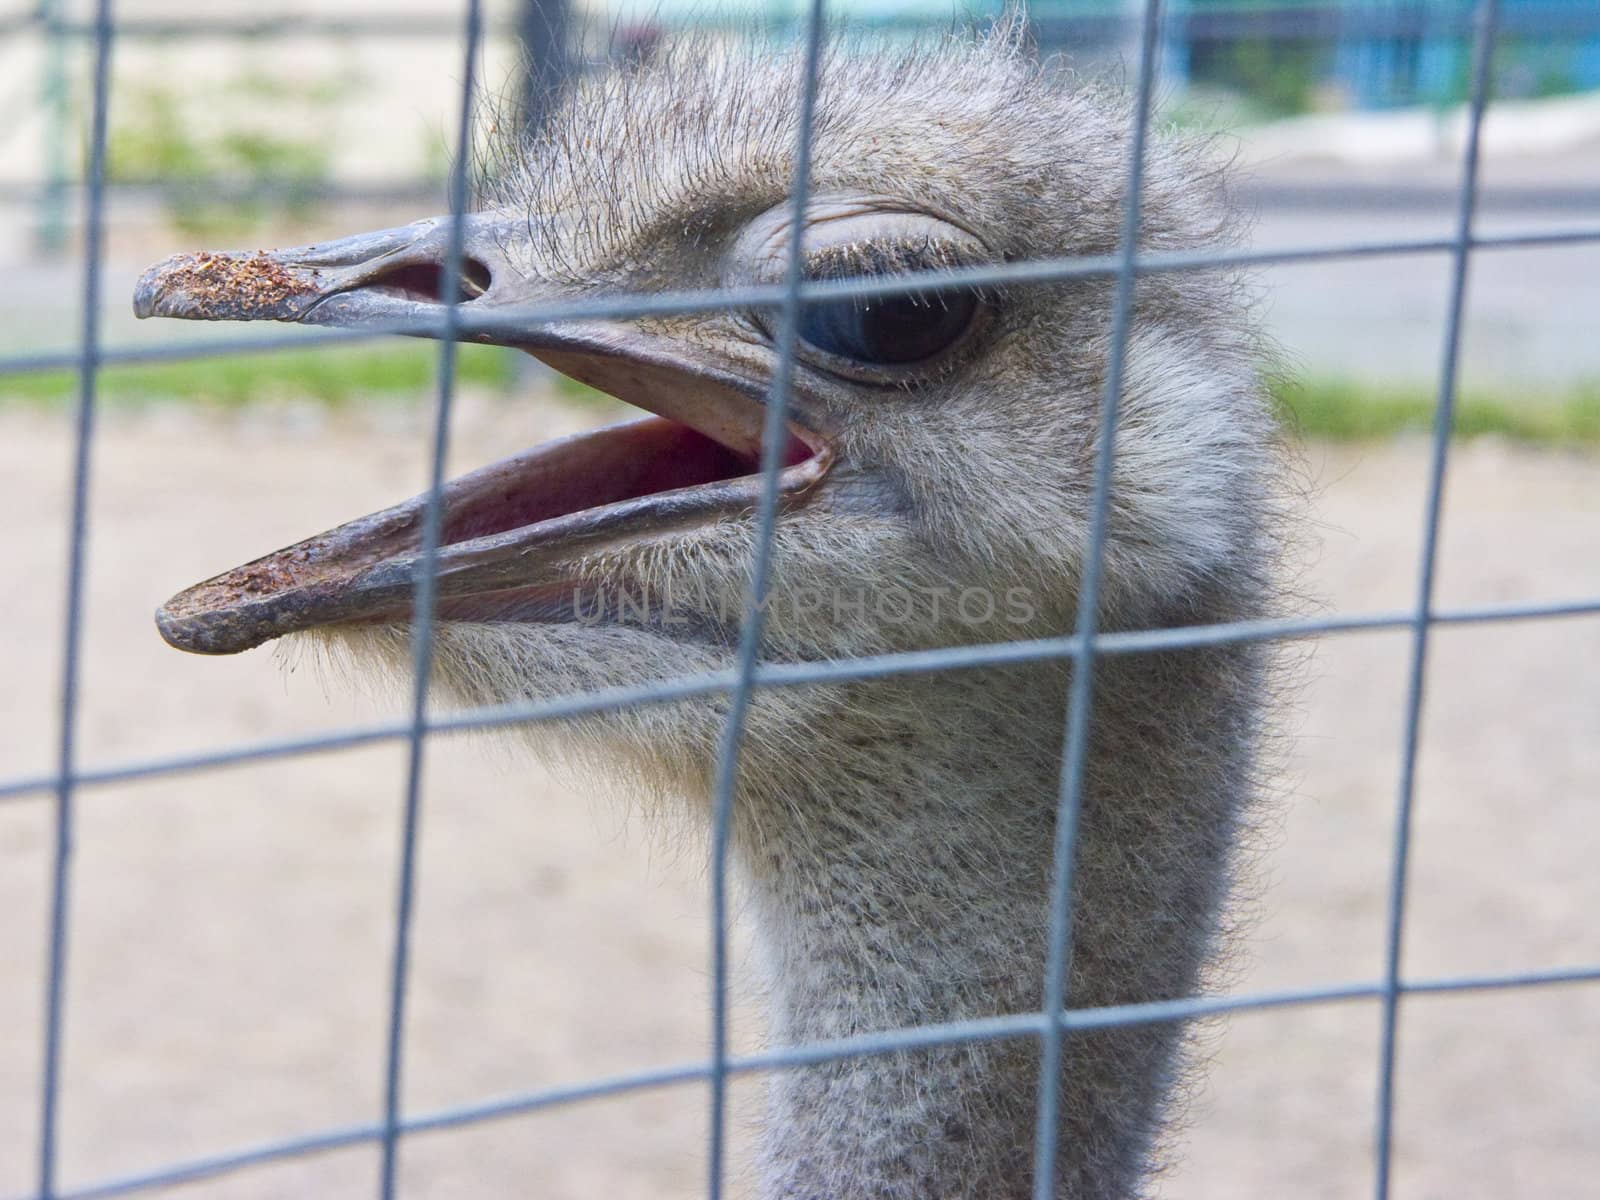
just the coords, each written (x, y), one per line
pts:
(904, 878)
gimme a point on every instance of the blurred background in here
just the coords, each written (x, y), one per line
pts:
(231, 930)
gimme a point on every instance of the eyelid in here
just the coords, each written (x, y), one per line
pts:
(847, 229)
(886, 256)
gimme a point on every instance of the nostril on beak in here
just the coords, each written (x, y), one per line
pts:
(425, 281)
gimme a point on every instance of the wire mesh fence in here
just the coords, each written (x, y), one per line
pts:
(1083, 647)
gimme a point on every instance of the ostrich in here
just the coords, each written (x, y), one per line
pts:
(894, 835)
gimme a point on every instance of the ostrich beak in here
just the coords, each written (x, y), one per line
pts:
(513, 535)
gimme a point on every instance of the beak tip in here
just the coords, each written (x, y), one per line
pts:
(182, 634)
(203, 631)
(225, 287)
(148, 292)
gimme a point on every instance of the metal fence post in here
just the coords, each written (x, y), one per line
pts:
(53, 95)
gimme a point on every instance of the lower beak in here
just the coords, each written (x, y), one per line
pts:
(514, 535)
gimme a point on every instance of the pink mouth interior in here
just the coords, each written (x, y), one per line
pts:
(424, 281)
(622, 462)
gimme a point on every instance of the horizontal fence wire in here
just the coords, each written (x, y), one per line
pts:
(1244, 21)
(1054, 1026)
(888, 1041)
(1321, 193)
(777, 674)
(511, 319)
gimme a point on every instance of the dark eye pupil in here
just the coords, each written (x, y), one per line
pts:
(889, 330)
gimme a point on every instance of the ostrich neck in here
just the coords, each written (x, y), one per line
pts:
(905, 880)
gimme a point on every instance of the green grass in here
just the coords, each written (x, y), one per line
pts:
(334, 376)
(1340, 410)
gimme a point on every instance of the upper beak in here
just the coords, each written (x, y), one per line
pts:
(390, 278)
(514, 533)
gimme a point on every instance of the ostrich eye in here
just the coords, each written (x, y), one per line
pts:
(869, 339)
(888, 330)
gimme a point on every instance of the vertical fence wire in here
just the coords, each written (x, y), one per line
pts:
(1080, 700)
(72, 636)
(773, 438)
(1443, 418)
(425, 594)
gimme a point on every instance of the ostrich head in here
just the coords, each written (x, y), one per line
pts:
(935, 490)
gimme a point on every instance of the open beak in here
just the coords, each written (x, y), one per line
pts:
(514, 534)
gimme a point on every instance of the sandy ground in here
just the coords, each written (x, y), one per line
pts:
(231, 929)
